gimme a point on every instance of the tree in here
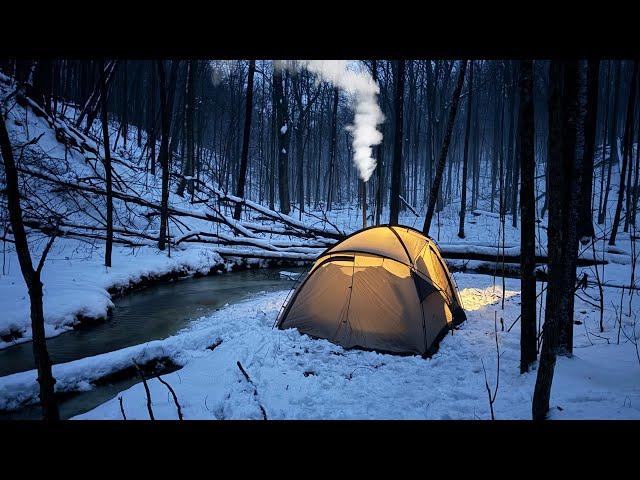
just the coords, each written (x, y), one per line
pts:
(435, 188)
(245, 139)
(585, 219)
(526, 154)
(332, 153)
(567, 112)
(107, 167)
(42, 83)
(613, 142)
(465, 160)
(396, 165)
(378, 150)
(166, 107)
(31, 277)
(300, 126)
(627, 151)
(188, 165)
(282, 118)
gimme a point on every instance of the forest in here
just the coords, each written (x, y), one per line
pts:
(175, 234)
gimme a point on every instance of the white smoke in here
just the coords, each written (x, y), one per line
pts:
(364, 91)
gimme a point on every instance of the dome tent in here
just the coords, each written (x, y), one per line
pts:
(382, 288)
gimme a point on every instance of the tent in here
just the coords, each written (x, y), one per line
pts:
(383, 288)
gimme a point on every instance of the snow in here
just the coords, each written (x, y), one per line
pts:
(289, 275)
(76, 282)
(297, 377)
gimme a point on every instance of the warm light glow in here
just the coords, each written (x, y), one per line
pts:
(477, 298)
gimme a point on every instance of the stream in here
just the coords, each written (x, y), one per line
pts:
(154, 313)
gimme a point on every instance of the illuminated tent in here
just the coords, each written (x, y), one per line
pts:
(383, 288)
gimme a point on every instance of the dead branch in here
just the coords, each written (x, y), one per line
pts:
(173, 394)
(255, 390)
(122, 407)
(146, 388)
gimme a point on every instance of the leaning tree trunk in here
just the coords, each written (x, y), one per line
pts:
(31, 278)
(396, 166)
(465, 159)
(526, 154)
(107, 167)
(245, 139)
(433, 196)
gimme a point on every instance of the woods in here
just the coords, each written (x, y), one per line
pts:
(527, 170)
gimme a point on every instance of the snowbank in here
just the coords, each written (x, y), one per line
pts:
(76, 283)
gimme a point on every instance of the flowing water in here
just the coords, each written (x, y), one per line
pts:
(150, 314)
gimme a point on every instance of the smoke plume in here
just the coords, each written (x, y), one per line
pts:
(367, 114)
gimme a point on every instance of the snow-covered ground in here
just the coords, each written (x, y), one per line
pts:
(297, 377)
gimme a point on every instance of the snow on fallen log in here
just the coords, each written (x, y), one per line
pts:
(290, 275)
(297, 224)
(264, 254)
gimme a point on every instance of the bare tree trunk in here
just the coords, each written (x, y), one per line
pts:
(42, 83)
(245, 139)
(152, 121)
(125, 102)
(107, 167)
(628, 134)
(189, 105)
(31, 278)
(567, 110)
(526, 154)
(332, 153)
(166, 107)
(465, 160)
(585, 219)
(282, 126)
(433, 196)
(550, 329)
(604, 143)
(613, 142)
(396, 166)
(380, 165)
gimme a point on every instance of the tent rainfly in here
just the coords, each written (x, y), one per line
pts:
(383, 288)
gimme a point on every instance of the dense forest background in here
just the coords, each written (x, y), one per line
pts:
(308, 165)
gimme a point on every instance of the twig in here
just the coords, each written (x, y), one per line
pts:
(146, 389)
(173, 394)
(492, 396)
(255, 390)
(122, 408)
